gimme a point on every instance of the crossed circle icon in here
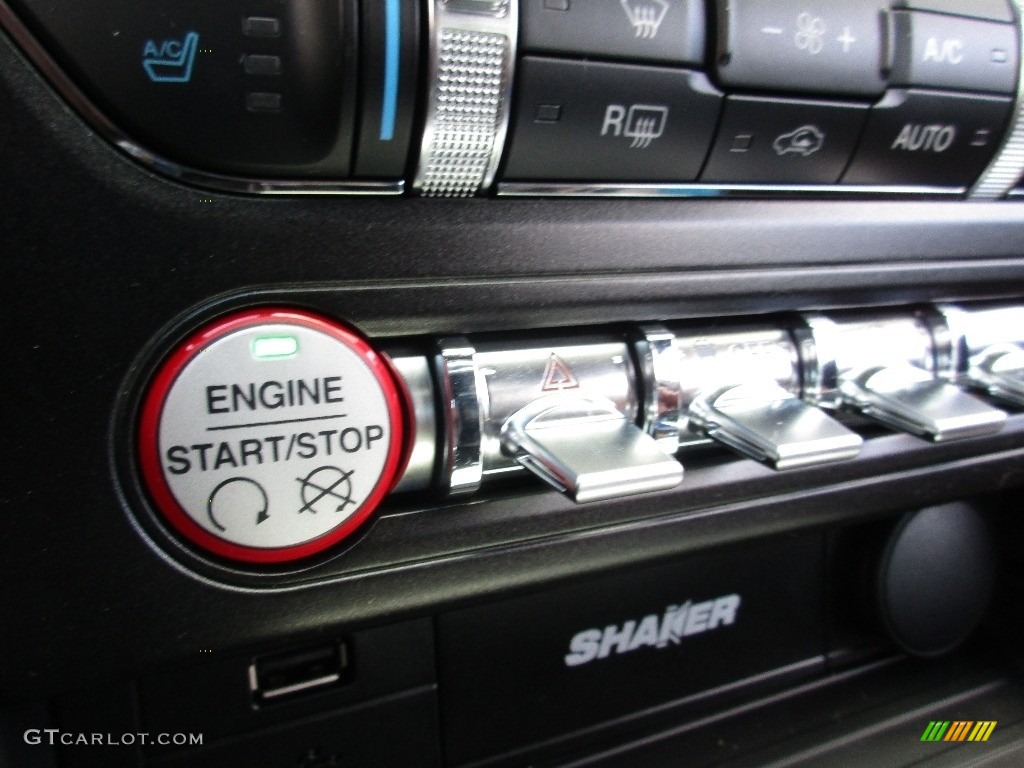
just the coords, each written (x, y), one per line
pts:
(332, 487)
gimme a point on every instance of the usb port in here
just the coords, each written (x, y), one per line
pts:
(282, 675)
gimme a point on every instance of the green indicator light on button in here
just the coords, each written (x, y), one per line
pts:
(274, 347)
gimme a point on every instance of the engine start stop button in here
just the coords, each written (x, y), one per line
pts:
(271, 435)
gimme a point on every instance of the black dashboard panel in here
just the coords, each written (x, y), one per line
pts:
(116, 625)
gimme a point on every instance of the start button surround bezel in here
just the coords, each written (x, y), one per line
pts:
(150, 460)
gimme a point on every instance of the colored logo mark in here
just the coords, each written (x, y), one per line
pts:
(170, 61)
(959, 730)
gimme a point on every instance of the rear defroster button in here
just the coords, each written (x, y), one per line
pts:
(271, 435)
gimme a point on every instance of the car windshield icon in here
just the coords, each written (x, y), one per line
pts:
(805, 140)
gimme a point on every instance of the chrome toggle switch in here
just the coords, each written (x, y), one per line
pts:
(513, 376)
(884, 368)
(586, 448)
(772, 425)
(987, 350)
(912, 400)
(739, 388)
(999, 370)
(562, 408)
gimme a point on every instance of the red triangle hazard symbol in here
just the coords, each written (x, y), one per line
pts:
(558, 376)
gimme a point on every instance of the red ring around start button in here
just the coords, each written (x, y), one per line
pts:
(272, 434)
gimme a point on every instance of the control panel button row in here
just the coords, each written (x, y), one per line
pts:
(270, 435)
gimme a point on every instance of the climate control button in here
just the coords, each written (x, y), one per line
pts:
(784, 141)
(928, 138)
(585, 121)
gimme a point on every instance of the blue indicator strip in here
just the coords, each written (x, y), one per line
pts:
(392, 38)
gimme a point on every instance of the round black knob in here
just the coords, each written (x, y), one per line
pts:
(935, 578)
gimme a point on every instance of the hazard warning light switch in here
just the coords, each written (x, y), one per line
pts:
(271, 435)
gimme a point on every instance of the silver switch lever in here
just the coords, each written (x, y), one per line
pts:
(911, 399)
(987, 345)
(771, 424)
(888, 368)
(586, 448)
(999, 370)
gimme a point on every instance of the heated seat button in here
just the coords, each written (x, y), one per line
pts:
(639, 30)
(928, 138)
(950, 52)
(610, 122)
(825, 46)
(784, 141)
(267, 89)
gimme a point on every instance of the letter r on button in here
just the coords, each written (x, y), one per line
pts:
(613, 117)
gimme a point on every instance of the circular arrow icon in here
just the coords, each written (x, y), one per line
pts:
(238, 493)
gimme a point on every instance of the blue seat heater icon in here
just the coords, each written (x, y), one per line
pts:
(176, 68)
